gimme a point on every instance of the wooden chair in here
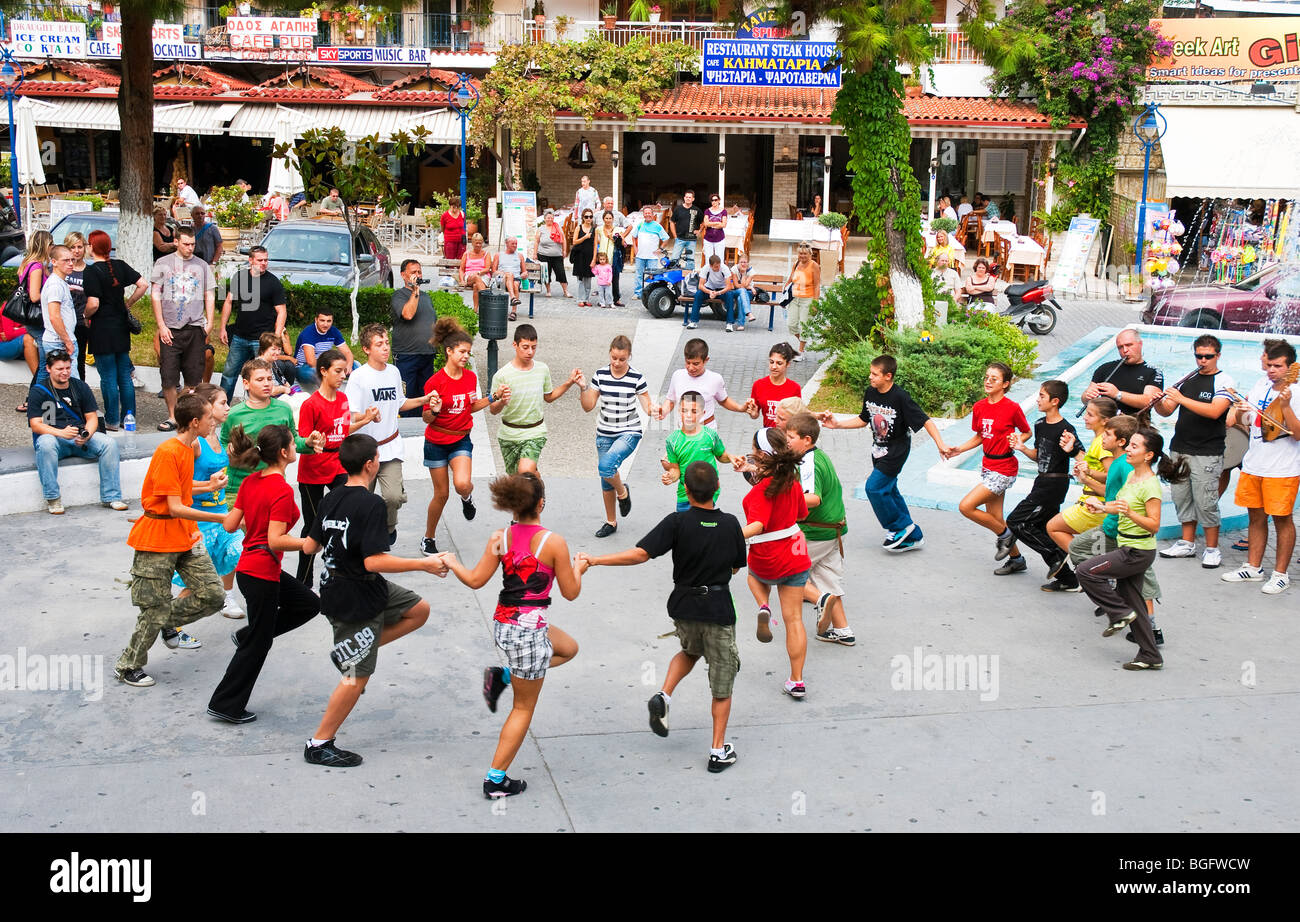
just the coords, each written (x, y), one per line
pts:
(1004, 254)
(773, 285)
(795, 213)
(1036, 227)
(970, 230)
(1047, 258)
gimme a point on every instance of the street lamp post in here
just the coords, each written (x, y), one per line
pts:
(11, 76)
(1149, 127)
(464, 98)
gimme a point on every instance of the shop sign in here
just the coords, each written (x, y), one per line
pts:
(742, 62)
(358, 54)
(168, 43)
(261, 32)
(1251, 48)
(48, 39)
(768, 23)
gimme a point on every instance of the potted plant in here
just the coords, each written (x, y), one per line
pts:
(232, 214)
(832, 219)
(610, 16)
(226, 10)
(912, 87)
(539, 13)
(562, 24)
(947, 225)
(639, 11)
(655, 11)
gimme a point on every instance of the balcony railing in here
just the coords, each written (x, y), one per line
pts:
(692, 33)
(954, 46)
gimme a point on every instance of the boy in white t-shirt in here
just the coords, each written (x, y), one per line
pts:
(378, 384)
(696, 377)
(1270, 472)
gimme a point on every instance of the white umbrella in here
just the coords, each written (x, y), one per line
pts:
(285, 177)
(28, 165)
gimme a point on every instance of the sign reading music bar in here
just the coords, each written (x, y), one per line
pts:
(745, 62)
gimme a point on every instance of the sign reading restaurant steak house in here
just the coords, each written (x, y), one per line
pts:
(745, 62)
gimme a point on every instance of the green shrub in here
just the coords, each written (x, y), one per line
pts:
(948, 225)
(1019, 351)
(946, 375)
(845, 314)
(832, 219)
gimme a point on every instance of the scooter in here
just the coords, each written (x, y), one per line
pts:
(1032, 306)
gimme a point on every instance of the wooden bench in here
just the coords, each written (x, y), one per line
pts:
(774, 285)
(451, 267)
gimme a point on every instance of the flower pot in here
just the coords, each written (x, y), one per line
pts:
(654, 17)
(610, 22)
(229, 239)
(914, 92)
(464, 25)
(539, 20)
(476, 47)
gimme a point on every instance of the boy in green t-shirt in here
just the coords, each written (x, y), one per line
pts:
(692, 442)
(823, 530)
(523, 428)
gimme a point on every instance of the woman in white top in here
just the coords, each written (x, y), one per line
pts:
(742, 283)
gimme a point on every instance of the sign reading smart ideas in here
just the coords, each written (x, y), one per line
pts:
(37, 38)
(745, 62)
(1250, 48)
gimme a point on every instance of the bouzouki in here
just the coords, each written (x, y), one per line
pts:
(1271, 417)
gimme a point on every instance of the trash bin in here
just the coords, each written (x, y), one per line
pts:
(493, 308)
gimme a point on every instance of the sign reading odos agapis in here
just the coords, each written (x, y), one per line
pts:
(744, 62)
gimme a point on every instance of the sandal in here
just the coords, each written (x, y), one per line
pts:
(166, 426)
(511, 316)
(22, 409)
(1241, 544)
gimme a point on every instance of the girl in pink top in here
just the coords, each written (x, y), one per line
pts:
(531, 560)
(604, 279)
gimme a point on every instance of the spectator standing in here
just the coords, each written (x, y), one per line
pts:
(259, 304)
(582, 253)
(806, 277)
(110, 337)
(609, 241)
(207, 238)
(685, 225)
(32, 272)
(164, 235)
(184, 300)
(76, 280)
(715, 229)
(550, 249)
(57, 310)
(412, 344)
(586, 198)
(452, 223)
(64, 420)
(650, 237)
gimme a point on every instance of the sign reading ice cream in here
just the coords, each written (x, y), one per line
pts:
(1213, 50)
(38, 38)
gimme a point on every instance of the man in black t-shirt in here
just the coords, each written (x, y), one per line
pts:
(893, 416)
(64, 420)
(1200, 436)
(1128, 380)
(258, 300)
(366, 611)
(708, 546)
(685, 224)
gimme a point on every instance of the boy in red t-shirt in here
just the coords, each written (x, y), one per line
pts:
(994, 419)
(165, 543)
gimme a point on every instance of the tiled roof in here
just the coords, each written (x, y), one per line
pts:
(338, 84)
(975, 110)
(442, 80)
(84, 77)
(197, 81)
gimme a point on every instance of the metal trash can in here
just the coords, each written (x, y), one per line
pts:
(493, 308)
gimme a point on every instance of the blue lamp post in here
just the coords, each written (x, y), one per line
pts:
(1149, 127)
(463, 97)
(11, 76)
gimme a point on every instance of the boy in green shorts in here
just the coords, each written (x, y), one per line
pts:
(365, 610)
(523, 429)
(692, 442)
(708, 548)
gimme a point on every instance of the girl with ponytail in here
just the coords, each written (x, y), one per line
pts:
(277, 602)
(1138, 506)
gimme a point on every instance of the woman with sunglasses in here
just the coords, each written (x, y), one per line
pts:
(715, 233)
(477, 266)
(582, 254)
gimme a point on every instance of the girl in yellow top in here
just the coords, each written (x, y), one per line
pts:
(806, 277)
(1090, 470)
(1138, 506)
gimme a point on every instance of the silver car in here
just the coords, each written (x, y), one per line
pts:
(319, 252)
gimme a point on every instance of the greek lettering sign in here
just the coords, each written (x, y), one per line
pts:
(741, 62)
(261, 32)
(1250, 48)
(767, 23)
(48, 39)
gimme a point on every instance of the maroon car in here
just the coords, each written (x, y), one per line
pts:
(1267, 302)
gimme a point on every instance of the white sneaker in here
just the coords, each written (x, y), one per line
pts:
(798, 356)
(1276, 583)
(691, 326)
(1180, 548)
(232, 609)
(1211, 558)
(730, 329)
(1247, 574)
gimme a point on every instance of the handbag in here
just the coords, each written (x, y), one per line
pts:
(133, 323)
(22, 310)
(787, 295)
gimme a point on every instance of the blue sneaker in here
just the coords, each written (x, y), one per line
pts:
(894, 540)
(911, 544)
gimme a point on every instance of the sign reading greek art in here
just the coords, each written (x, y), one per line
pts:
(1252, 48)
(38, 38)
(743, 62)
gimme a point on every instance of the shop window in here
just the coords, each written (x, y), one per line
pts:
(1002, 171)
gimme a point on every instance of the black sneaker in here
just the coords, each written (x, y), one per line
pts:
(137, 677)
(506, 788)
(625, 502)
(1057, 585)
(244, 717)
(833, 635)
(1054, 571)
(1119, 624)
(330, 756)
(1014, 565)
(1160, 637)
(658, 714)
(720, 763)
(428, 547)
(606, 530)
(1003, 545)
(1098, 612)
(468, 508)
(493, 686)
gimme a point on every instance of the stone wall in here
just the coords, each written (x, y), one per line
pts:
(559, 180)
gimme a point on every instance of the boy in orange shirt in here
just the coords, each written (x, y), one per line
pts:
(165, 542)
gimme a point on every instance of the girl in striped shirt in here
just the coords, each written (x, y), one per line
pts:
(617, 388)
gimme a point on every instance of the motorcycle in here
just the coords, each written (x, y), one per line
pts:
(670, 285)
(1032, 306)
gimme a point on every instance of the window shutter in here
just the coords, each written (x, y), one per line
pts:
(1002, 171)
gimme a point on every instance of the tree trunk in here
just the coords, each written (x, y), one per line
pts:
(909, 300)
(135, 112)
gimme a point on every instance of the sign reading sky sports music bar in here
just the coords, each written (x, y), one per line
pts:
(746, 62)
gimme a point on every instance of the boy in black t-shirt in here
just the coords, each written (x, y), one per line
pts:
(365, 610)
(893, 416)
(708, 547)
(1028, 521)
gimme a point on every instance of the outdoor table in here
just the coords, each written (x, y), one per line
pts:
(995, 229)
(1024, 251)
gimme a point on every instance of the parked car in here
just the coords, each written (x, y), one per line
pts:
(82, 221)
(318, 251)
(1267, 302)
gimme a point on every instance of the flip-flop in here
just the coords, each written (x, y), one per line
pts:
(1241, 544)
(511, 316)
(166, 426)
(22, 409)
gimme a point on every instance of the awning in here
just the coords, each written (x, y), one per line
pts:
(194, 118)
(1231, 151)
(86, 114)
(259, 121)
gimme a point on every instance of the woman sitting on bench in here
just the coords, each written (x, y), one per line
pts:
(477, 267)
